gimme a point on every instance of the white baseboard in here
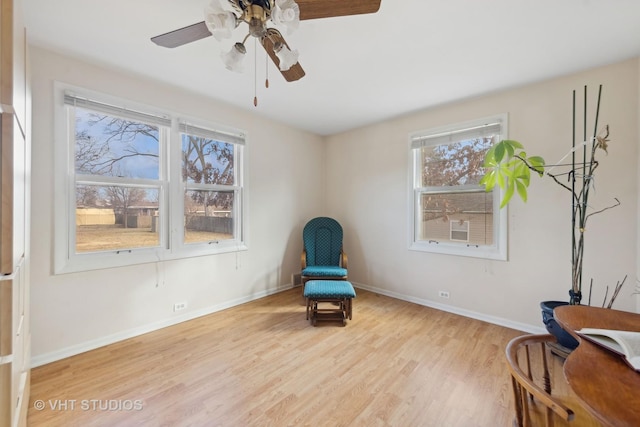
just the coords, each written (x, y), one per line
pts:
(73, 350)
(500, 321)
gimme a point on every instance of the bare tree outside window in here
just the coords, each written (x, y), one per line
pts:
(116, 206)
(209, 174)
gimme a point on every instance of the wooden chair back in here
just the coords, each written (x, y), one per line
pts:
(528, 362)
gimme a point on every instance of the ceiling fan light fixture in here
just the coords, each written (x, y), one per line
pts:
(286, 57)
(286, 13)
(258, 15)
(233, 59)
(220, 22)
(257, 28)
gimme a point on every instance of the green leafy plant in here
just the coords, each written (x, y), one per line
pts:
(509, 167)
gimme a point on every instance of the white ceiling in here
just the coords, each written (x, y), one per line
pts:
(411, 55)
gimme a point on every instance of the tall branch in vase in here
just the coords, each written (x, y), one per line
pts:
(509, 167)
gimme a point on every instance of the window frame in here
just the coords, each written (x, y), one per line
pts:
(496, 251)
(170, 186)
(183, 124)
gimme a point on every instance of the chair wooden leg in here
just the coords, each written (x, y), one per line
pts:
(314, 312)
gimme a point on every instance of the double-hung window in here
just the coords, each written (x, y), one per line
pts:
(212, 185)
(118, 177)
(136, 185)
(451, 212)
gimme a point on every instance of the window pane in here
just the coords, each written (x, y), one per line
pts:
(208, 216)
(444, 216)
(112, 218)
(458, 163)
(108, 145)
(206, 161)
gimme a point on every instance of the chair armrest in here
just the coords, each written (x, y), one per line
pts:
(343, 256)
(303, 260)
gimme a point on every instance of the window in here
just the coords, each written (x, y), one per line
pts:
(117, 178)
(212, 191)
(141, 186)
(451, 212)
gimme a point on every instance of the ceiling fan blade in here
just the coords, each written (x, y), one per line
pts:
(314, 9)
(292, 74)
(182, 36)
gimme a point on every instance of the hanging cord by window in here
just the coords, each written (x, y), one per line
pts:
(159, 270)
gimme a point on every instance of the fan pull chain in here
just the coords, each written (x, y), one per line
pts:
(255, 72)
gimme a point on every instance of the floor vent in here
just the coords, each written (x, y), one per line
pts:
(296, 279)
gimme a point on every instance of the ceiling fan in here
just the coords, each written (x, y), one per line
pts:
(220, 23)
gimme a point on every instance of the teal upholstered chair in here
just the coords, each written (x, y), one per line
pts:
(323, 257)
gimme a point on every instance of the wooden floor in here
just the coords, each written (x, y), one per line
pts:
(262, 364)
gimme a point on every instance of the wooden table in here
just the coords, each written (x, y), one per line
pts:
(604, 383)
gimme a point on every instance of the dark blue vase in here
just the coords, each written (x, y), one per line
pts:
(564, 338)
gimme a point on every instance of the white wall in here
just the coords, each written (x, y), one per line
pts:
(370, 167)
(75, 312)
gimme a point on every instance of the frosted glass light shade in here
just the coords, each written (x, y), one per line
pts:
(233, 59)
(220, 22)
(286, 57)
(286, 13)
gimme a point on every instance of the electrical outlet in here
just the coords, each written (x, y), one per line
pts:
(179, 306)
(443, 294)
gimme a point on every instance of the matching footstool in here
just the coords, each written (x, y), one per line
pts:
(336, 293)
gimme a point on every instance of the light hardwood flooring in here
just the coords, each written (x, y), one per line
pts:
(263, 364)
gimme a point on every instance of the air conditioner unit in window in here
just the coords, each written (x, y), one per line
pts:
(459, 231)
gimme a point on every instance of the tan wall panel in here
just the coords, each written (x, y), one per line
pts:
(6, 315)
(6, 52)
(5, 395)
(6, 347)
(6, 193)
